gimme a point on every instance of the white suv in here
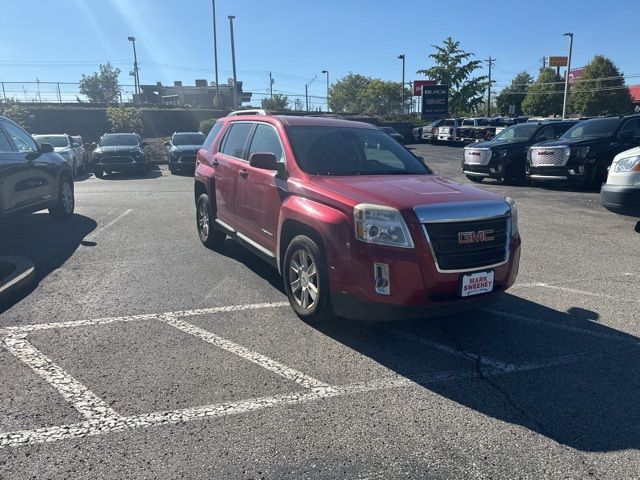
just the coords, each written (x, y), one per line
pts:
(621, 192)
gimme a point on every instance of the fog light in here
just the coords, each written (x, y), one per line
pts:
(381, 273)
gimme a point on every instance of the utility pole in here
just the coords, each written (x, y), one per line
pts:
(402, 57)
(4, 94)
(306, 90)
(566, 80)
(59, 94)
(544, 63)
(490, 61)
(215, 55)
(271, 85)
(327, 73)
(233, 60)
(136, 76)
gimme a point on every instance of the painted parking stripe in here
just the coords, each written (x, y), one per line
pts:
(109, 225)
(83, 399)
(265, 362)
(156, 419)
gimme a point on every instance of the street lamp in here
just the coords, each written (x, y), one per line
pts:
(306, 90)
(402, 57)
(136, 77)
(233, 60)
(327, 73)
(215, 54)
(566, 80)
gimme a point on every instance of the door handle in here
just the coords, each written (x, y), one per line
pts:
(244, 173)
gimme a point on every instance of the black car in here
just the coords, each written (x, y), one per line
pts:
(393, 133)
(584, 153)
(32, 176)
(504, 157)
(182, 150)
(119, 152)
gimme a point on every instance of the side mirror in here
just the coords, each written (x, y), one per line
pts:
(264, 161)
(166, 144)
(46, 148)
(626, 135)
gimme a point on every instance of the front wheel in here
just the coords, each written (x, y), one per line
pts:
(306, 280)
(65, 203)
(209, 235)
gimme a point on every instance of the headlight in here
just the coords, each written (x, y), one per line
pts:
(381, 225)
(629, 164)
(499, 154)
(580, 152)
(514, 215)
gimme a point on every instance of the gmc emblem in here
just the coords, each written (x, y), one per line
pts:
(474, 153)
(475, 237)
(545, 152)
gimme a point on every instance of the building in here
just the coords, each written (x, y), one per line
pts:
(201, 95)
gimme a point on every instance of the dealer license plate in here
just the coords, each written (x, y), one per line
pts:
(476, 283)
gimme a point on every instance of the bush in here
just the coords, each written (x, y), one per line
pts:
(125, 119)
(207, 125)
(17, 113)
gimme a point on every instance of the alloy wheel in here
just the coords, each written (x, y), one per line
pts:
(303, 279)
(203, 220)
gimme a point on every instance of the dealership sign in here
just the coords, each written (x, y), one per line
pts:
(435, 101)
(418, 84)
(558, 61)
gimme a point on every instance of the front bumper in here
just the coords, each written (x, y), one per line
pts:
(575, 172)
(186, 161)
(622, 199)
(483, 171)
(119, 163)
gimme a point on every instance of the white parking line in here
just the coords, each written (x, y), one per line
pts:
(265, 362)
(83, 399)
(108, 225)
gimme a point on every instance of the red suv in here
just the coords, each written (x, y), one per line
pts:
(355, 223)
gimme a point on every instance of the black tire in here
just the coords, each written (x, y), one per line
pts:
(74, 169)
(475, 179)
(308, 308)
(98, 172)
(172, 169)
(65, 204)
(209, 235)
(515, 174)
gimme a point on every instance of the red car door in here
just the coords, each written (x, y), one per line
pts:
(228, 163)
(260, 192)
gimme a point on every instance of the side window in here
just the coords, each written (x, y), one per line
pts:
(236, 140)
(632, 126)
(266, 140)
(558, 130)
(545, 134)
(5, 146)
(212, 136)
(22, 139)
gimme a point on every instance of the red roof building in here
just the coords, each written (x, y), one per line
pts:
(634, 90)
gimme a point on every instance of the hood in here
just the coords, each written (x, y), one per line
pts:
(633, 152)
(573, 142)
(499, 144)
(403, 192)
(125, 149)
(186, 148)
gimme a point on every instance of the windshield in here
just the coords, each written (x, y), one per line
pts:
(188, 139)
(124, 140)
(55, 140)
(449, 123)
(351, 151)
(517, 133)
(598, 127)
(388, 130)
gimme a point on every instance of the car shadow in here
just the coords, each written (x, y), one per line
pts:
(560, 374)
(47, 242)
(153, 172)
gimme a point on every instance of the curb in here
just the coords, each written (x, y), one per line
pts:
(21, 275)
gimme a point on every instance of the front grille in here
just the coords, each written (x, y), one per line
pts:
(477, 156)
(549, 156)
(117, 160)
(187, 159)
(451, 254)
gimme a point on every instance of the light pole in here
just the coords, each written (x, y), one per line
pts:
(136, 77)
(327, 73)
(566, 80)
(233, 61)
(402, 57)
(215, 54)
(306, 90)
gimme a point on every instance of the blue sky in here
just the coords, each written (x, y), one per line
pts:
(297, 39)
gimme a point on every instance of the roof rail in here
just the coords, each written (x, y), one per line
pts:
(255, 111)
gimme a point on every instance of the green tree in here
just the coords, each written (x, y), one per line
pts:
(600, 90)
(207, 125)
(383, 97)
(544, 97)
(278, 103)
(348, 94)
(102, 86)
(17, 113)
(125, 119)
(454, 68)
(514, 94)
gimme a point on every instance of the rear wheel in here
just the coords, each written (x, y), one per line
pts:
(98, 172)
(65, 203)
(209, 235)
(306, 280)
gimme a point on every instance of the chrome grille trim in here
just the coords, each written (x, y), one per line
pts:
(477, 156)
(549, 156)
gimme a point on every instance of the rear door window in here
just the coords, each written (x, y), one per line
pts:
(266, 140)
(632, 126)
(235, 141)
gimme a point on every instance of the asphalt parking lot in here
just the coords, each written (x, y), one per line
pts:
(141, 354)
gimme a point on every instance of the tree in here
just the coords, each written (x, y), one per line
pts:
(514, 94)
(17, 113)
(545, 96)
(102, 86)
(125, 119)
(359, 94)
(347, 94)
(278, 103)
(454, 68)
(600, 90)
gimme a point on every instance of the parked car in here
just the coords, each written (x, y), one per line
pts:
(32, 176)
(583, 154)
(119, 152)
(182, 150)
(430, 132)
(475, 129)
(621, 192)
(505, 156)
(354, 230)
(508, 121)
(448, 131)
(393, 133)
(416, 133)
(65, 146)
(82, 152)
